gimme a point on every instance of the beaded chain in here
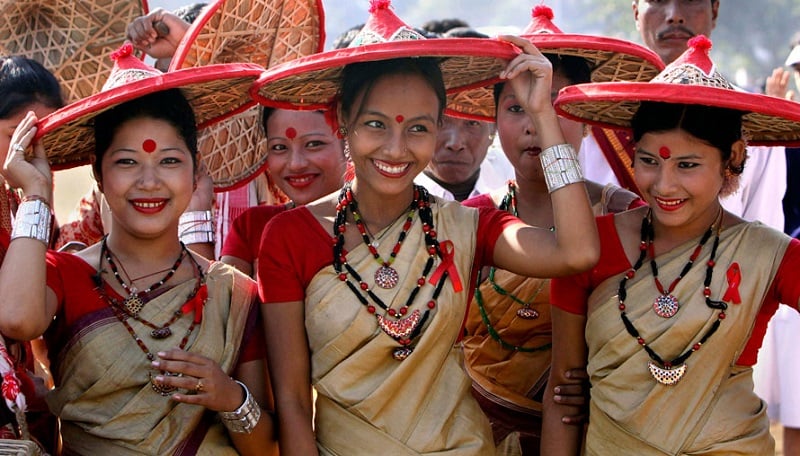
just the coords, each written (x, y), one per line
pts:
(406, 327)
(509, 203)
(670, 372)
(159, 332)
(136, 299)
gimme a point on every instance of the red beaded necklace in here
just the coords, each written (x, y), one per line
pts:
(670, 372)
(137, 299)
(404, 328)
(122, 312)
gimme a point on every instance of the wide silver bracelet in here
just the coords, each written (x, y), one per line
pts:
(561, 167)
(245, 418)
(33, 220)
(196, 227)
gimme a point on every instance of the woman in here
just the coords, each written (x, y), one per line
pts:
(25, 85)
(508, 329)
(306, 159)
(378, 339)
(671, 319)
(119, 391)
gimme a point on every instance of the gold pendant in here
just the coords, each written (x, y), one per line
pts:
(399, 329)
(134, 304)
(666, 376)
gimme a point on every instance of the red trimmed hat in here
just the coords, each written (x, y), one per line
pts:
(71, 38)
(214, 92)
(691, 79)
(610, 59)
(313, 82)
(265, 32)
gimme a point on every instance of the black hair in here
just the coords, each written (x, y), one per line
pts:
(360, 77)
(190, 12)
(440, 26)
(718, 127)
(167, 105)
(463, 32)
(23, 82)
(576, 69)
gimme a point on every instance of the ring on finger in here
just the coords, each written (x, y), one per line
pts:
(199, 386)
(17, 147)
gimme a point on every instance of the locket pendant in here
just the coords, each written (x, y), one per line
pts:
(526, 313)
(134, 303)
(386, 277)
(401, 353)
(161, 333)
(666, 376)
(160, 388)
(666, 306)
(402, 328)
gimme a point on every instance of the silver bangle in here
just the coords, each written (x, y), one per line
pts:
(196, 227)
(33, 220)
(245, 418)
(561, 167)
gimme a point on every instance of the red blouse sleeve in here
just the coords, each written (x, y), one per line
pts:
(491, 223)
(244, 237)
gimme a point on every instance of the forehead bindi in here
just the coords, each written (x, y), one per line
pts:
(291, 133)
(664, 152)
(149, 145)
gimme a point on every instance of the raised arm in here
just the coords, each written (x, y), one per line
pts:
(574, 246)
(27, 306)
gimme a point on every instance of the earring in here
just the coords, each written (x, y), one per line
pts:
(347, 149)
(342, 132)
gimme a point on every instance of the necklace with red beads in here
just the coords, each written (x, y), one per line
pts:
(399, 325)
(137, 299)
(670, 372)
(121, 311)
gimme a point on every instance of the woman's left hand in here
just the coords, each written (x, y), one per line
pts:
(203, 380)
(21, 169)
(530, 75)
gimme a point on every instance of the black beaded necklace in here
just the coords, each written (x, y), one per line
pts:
(670, 372)
(404, 327)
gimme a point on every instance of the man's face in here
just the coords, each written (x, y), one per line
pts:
(666, 25)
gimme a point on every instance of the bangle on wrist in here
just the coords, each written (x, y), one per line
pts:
(196, 227)
(561, 167)
(33, 220)
(245, 418)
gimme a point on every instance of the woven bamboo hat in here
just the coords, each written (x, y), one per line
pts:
(610, 59)
(691, 79)
(313, 82)
(214, 92)
(265, 32)
(71, 38)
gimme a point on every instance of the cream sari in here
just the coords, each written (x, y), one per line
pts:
(104, 398)
(712, 410)
(369, 403)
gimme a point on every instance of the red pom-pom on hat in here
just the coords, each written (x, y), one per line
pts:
(542, 11)
(127, 68)
(125, 50)
(700, 42)
(375, 5)
(541, 21)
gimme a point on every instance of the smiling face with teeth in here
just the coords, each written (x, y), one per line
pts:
(682, 189)
(146, 191)
(387, 154)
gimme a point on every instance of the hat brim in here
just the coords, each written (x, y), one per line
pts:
(266, 32)
(794, 56)
(767, 121)
(313, 82)
(610, 59)
(214, 92)
(71, 38)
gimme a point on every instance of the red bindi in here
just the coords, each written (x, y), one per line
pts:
(149, 145)
(664, 152)
(291, 133)
(399, 118)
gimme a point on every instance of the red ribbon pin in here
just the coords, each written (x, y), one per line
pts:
(734, 276)
(197, 303)
(447, 265)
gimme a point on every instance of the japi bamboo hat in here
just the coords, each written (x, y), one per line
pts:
(313, 82)
(691, 79)
(265, 32)
(71, 38)
(214, 92)
(609, 59)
